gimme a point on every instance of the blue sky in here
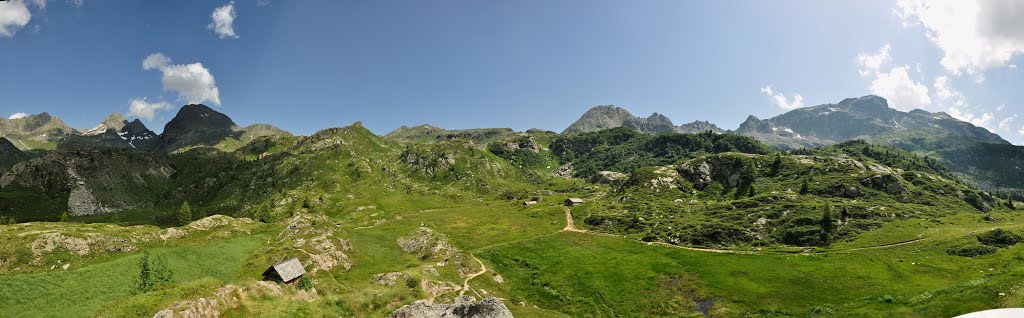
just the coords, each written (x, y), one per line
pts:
(308, 65)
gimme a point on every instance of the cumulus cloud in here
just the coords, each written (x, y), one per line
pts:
(974, 35)
(17, 115)
(13, 16)
(780, 99)
(902, 92)
(871, 63)
(140, 107)
(193, 82)
(223, 21)
(1006, 122)
(957, 106)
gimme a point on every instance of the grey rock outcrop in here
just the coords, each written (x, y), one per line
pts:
(886, 182)
(608, 177)
(463, 307)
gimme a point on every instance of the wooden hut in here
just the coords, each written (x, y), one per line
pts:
(287, 272)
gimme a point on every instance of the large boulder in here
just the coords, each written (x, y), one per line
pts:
(463, 307)
(608, 177)
(891, 184)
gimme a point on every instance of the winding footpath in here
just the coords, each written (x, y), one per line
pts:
(465, 283)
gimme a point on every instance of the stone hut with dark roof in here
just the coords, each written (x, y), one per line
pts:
(287, 272)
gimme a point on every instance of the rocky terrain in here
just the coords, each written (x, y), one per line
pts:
(463, 307)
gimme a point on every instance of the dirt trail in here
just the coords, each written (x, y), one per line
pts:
(570, 226)
(465, 284)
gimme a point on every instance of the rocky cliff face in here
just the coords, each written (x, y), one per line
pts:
(91, 182)
(10, 155)
(608, 116)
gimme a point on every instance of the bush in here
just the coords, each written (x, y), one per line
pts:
(305, 283)
(972, 251)
(999, 238)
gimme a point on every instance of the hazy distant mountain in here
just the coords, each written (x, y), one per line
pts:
(608, 116)
(867, 118)
(39, 131)
(976, 154)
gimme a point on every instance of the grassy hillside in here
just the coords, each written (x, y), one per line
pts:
(678, 225)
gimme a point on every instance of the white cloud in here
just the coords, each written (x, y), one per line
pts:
(870, 63)
(974, 35)
(902, 92)
(781, 100)
(13, 16)
(262, 3)
(141, 108)
(223, 21)
(1005, 123)
(1001, 107)
(1021, 130)
(76, 3)
(193, 82)
(155, 61)
(17, 115)
(957, 106)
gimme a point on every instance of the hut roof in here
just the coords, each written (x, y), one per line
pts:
(575, 200)
(289, 269)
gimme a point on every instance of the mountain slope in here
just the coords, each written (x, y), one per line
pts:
(10, 155)
(976, 154)
(609, 116)
(865, 118)
(39, 131)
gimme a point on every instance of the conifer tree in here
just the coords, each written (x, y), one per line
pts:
(184, 214)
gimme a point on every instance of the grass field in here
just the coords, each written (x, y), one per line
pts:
(82, 292)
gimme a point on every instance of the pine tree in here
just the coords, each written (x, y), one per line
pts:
(144, 282)
(777, 164)
(805, 187)
(827, 224)
(184, 214)
(844, 214)
(750, 191)
(1009, 202)
(161, 273)
(116, 219)
(64, 217)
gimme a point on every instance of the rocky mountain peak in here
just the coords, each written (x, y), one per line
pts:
(867, 104)
(113, 122)
(196, 124)
(608, 116)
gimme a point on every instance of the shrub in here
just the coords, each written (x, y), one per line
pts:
(972, 251)
(305, 283)
(999, 238)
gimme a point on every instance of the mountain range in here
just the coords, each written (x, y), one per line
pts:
(974, 153)
(416, 214)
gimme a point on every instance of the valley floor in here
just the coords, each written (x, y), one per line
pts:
(541, 265)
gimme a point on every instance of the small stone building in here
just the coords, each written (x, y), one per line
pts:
(287, 272)
(529, 203)
(573, 201)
